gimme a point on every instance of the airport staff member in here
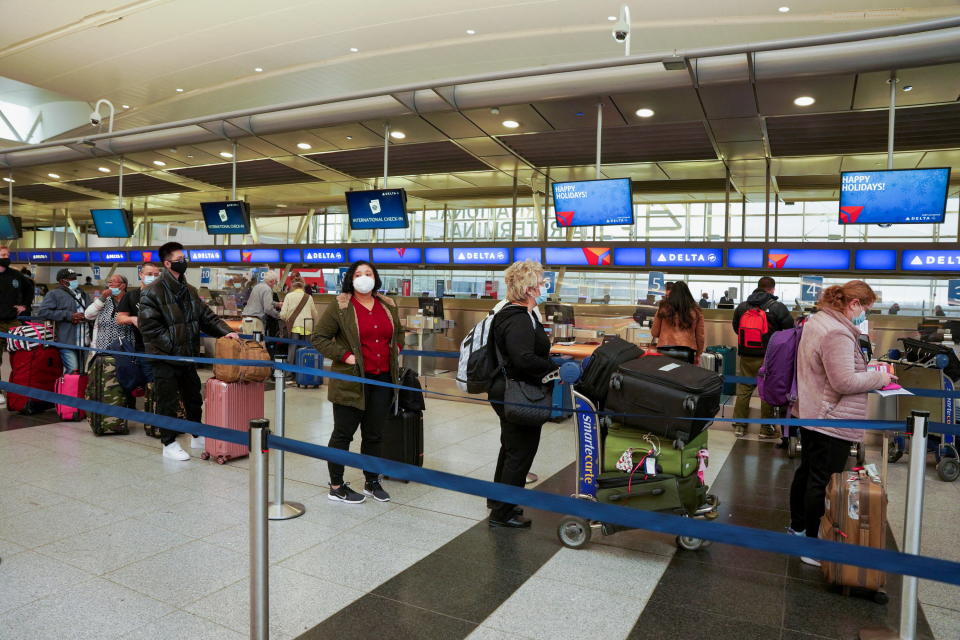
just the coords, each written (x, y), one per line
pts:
(65, 306)
(171, 317)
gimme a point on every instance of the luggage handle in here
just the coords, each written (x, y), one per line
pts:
(615, 497)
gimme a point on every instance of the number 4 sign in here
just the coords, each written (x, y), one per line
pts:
(810, 288)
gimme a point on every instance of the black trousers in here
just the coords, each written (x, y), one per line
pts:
(172, 384)
(821, 456)
(518, 448)
(372, 422)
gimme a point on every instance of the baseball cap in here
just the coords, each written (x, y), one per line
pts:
(67, 274)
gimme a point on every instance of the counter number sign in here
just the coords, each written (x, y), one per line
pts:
(953, 293)
(810, 288)
(656, 283)
(549, 282)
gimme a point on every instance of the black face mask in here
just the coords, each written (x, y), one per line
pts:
(179, 267)
(4, 262)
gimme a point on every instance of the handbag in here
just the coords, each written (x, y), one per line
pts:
(526, 404)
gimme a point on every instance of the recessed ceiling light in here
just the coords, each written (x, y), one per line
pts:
(471, 32)
(784, 9)
(349, 137)
(125, 106)
(644, 113)
(510, 124)
(9, 180)
(354, 49)
(160, 163)
(612, 18)
(908, 87)
(399, 135)
(179, 90)
(804, 101)
(226, 154)
(189, 155)
(281, 206)
(55, 176)
(103, 170)
(258, 69)
(304, 146)
(579, 114)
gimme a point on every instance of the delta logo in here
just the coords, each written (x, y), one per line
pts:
(336, 256)
(849, 215)
(147, 256)
(673, 257)
(113, 256)
(598, 256)
(481, 256)
(246, 256)
(401, 251)
(565, 218)
(65, 257)
(777, 260)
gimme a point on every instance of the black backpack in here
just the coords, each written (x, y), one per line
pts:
(595, 380)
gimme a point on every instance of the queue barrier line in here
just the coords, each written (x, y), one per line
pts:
(924, 567)
(876, 425)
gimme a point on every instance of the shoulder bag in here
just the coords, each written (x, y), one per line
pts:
(526, 404)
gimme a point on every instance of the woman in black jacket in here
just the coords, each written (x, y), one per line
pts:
(525, 349)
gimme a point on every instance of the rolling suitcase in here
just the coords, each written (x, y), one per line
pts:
(856, 513)
(595, 380)
(662, 492)
(678, 462)
(403, 438)
(312, 359)
(727, 366)
(39, 368)
(74, 385)
(231, 405)
(105, 387)
(561, 401)
(666, 397)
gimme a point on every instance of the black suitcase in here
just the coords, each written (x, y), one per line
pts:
(403, 438)
(668, 393)
(595, 380)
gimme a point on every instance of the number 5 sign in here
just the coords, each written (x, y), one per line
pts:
(656, 283)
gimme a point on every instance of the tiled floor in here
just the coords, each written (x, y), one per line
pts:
(103, 538)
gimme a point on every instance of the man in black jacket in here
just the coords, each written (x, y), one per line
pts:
(16, 296)
(751, 352)
(171, 317)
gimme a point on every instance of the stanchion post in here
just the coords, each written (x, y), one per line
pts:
(913, 520)
(259, 531)
(280, 510)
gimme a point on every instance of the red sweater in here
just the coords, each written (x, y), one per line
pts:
(376, 332)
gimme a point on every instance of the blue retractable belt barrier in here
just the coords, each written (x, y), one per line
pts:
(924, 567)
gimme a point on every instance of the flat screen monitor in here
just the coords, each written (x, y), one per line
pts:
(593, 202)
(560, 313)
(112, 223)
(431, 306)
(378, 209)
(226, 218)
(10, 228)
(895, 196)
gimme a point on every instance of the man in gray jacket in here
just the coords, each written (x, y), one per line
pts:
(260, 306)
(64, 306)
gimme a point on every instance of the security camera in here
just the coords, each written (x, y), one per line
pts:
(95, 118)
(621, 30)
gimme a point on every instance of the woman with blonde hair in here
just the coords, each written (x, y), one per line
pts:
(525, 350)
(832, 383)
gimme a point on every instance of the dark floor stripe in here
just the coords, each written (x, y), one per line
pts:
(10, 420)
(447, 594)
(724, 591)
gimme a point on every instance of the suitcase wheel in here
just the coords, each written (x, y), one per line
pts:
(948, 469)
(574, 532)
(689, 544)
(204, 456)
(222, 459)
(880, 597)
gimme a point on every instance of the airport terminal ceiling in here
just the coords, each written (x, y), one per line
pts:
(683, 135)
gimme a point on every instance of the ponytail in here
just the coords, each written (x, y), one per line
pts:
(837, 297)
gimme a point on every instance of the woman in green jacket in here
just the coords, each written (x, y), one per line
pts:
(360, 333)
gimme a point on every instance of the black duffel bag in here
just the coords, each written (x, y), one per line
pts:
(595, 379)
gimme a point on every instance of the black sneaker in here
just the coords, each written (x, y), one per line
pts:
(375, 490)
(344, 493)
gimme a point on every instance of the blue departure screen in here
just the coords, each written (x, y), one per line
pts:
(481, 255)
(378, 209)
(328, 255)
(398, 255)
(685, 257)
(577, 256)
(931, 260)
(109, 256)
(593, 202)
(70, 256)
(226, 218)
(902, 196)
(252, 255)
(876, 259)
(136, 256)
(437, 255)
(35, 256)
(112, 223)
(528, 253)
(358, 254)
(291, 256)
(745, 258)
(10, 228)
(206, 255)
(630, 257)
(813, 259)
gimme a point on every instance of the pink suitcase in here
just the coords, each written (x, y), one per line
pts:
(232, 405)
(75, 385)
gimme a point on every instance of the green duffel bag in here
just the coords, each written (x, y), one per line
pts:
(678, 462)
(661, 493)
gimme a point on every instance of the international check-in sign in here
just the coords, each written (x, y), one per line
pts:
(656, 283)
(810, 288)
(549, 282)
(953, 293)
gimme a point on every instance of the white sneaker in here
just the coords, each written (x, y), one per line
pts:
(809, 561)
(198, 442)
(3, 400)
(175, 452)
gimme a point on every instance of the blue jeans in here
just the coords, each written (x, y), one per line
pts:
(73, 360)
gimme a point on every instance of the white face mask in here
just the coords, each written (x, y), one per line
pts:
(363, 284)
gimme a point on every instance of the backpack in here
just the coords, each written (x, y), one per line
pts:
(777, 378)
(477, 366)
(595, 379)
(754, 325)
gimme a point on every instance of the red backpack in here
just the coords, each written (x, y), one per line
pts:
(753, 327)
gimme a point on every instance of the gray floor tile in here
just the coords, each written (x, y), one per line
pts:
(940, 595)
(198, 518)
(373, 617)
(298, 602)
(453, 503)
(592, 568)
(183, 574)
(8, 549)
(945, 623)
(27, 576)
(113, 546)
(489, 633)
(287, 537)
(42, 526)
(95, 609)
(181, 624)
(16, 497)
(415, 527)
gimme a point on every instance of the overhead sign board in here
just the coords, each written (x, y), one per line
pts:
(686, 257)
(813, 259)
(930, 260)
(528, 253)
(109, 256)
(437, 255)
(291, 256)
(578, 256)
(744, 258)
(206, 255)
(254, 256)
(397, 255)
(70, 256)
(481, 255)
(143, 256)
(358, 254)
(875, 259)
(630, 257)
(35, 256)
(324, 255)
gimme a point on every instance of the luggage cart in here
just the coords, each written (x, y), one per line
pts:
(933, 366)
(575, 532)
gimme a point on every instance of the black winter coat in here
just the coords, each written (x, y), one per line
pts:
(172, 317)
(524, 346)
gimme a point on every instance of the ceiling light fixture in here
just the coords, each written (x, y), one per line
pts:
(349, 137)
(354, 50)
(9, 180)
(125, 106)
(471, 32)
(804, 101)
(304, 146)
(908, 87)
(103, 170)
(281, 206)
(612, 18)
(784, 9)
(55, 176)
(226, 154)
(399, 135)
(644, 112)
(179, 90)
(510, 124)
(160, 163)
(258, 69)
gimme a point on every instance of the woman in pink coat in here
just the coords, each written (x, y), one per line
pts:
(832, 383)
